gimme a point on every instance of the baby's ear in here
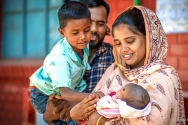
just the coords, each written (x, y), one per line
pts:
(61, 32)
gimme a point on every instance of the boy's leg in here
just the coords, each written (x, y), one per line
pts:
(38, 100)
(59, 122)
(71, 122)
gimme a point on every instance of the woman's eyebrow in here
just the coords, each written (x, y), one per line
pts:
(125, 38)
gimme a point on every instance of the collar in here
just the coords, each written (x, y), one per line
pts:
(103, 48)
(71, 53)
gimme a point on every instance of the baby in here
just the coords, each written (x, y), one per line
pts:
(130, 101)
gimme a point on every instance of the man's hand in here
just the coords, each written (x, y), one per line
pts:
(64, 109)
(57, 109)
(49, 115)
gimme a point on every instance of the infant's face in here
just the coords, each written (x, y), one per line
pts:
(120, 94)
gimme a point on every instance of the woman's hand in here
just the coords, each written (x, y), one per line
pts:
(84, 108)
(94, 117)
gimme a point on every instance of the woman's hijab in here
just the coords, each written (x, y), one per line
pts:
(156, 41)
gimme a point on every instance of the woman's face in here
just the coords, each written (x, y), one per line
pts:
(131, 47)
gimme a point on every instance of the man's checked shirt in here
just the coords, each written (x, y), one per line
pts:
(100, 61)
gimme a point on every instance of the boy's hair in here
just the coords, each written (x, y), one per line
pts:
(72, 10)
(97, 3)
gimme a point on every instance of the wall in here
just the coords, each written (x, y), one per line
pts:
(14, 97)
(116, 7)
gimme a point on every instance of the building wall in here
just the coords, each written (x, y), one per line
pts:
(14, 73)
(14, 97)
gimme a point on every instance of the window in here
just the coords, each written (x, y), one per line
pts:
(30, 27)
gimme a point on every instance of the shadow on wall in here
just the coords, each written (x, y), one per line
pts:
(186, 109)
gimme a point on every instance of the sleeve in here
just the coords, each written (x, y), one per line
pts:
(166, 101)
(166, 98)
(102, 82)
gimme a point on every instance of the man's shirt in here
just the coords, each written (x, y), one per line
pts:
(100, 61)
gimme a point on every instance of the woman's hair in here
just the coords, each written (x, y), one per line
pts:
(133, 18)
(72, 10)
(97, 3)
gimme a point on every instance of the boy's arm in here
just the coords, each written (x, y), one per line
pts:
(71, 95)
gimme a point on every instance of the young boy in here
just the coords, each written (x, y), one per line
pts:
(66, 64)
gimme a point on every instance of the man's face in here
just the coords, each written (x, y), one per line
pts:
(98, 25)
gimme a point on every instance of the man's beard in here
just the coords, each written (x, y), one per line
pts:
(92, 43)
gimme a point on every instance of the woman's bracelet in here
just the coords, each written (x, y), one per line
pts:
(99, 120)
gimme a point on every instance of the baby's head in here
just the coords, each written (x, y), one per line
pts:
(134, 95)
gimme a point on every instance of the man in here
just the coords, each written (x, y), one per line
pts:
(100, 57)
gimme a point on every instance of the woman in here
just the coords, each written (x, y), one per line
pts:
(140, 48)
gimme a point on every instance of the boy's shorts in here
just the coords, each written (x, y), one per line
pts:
(38, 100)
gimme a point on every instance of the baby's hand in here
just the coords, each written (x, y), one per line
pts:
(97, 94)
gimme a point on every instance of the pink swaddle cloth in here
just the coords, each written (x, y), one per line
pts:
(111, 107)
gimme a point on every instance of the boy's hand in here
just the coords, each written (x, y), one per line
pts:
(97, 94)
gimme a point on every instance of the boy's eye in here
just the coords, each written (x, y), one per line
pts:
(75, 33)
